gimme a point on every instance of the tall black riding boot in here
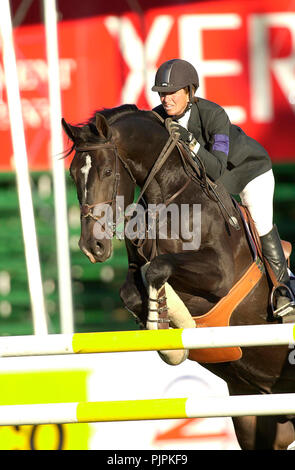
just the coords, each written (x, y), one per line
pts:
(273, 252)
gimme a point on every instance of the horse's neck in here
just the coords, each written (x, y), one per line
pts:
(168, 180)
(143, 151)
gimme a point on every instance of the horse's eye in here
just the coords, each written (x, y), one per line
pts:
(107, 172)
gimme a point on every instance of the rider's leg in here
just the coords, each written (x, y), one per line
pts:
(258, 197)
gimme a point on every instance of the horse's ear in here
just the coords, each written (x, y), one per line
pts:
(102, 126)
(69, 130)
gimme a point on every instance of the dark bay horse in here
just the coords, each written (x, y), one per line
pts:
(118, 149)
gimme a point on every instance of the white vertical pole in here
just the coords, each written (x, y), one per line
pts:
(60, 198)
(22, 173)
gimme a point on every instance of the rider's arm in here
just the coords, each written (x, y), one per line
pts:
(216, 154)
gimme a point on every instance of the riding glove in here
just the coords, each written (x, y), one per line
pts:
(184, 135)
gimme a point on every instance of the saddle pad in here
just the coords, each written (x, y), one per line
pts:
(220, 315)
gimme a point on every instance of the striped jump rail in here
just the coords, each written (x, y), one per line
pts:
(148, 340)
(132, 410)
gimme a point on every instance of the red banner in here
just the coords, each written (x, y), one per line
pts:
(244, 53)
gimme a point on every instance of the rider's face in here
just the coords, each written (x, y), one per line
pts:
(175, 103)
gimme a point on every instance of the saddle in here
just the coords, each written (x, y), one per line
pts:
(221, 313)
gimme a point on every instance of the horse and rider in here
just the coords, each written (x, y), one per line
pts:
(222, 282)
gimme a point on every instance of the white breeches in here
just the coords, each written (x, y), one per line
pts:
(257, 196)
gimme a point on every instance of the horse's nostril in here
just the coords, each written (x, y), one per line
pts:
(99, 248)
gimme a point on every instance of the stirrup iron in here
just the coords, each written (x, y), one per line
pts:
(287, 309)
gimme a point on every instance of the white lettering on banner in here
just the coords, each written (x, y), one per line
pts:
(261, 64)
(35, 113)
(67, 66)
(30, 114)
(32, 74)
(140, 57)
(191, 49)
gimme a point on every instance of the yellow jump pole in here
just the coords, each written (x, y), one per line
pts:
(148, 340)
(130, 410)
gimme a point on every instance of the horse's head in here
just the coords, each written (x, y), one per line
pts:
(99, 177)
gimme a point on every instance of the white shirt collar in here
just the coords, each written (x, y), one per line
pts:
(183, 121)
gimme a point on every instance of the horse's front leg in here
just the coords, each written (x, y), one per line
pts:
(134, 296)
(166, 299)
(198, 273)
(133, 293)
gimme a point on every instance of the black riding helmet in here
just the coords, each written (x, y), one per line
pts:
(174, 75)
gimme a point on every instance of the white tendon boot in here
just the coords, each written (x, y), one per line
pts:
(178, 315)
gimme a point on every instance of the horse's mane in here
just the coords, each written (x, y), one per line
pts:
(112, 114)
(88, 127)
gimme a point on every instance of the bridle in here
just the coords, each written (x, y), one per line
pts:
(87, 209)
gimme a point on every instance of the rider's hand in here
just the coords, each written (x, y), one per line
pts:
(184, 135)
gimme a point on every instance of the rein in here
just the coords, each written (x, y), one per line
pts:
(166, 151)
(86, 209)
(191, 160)
(194, 168)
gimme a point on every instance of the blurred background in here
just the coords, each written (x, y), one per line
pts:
(108, 55)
